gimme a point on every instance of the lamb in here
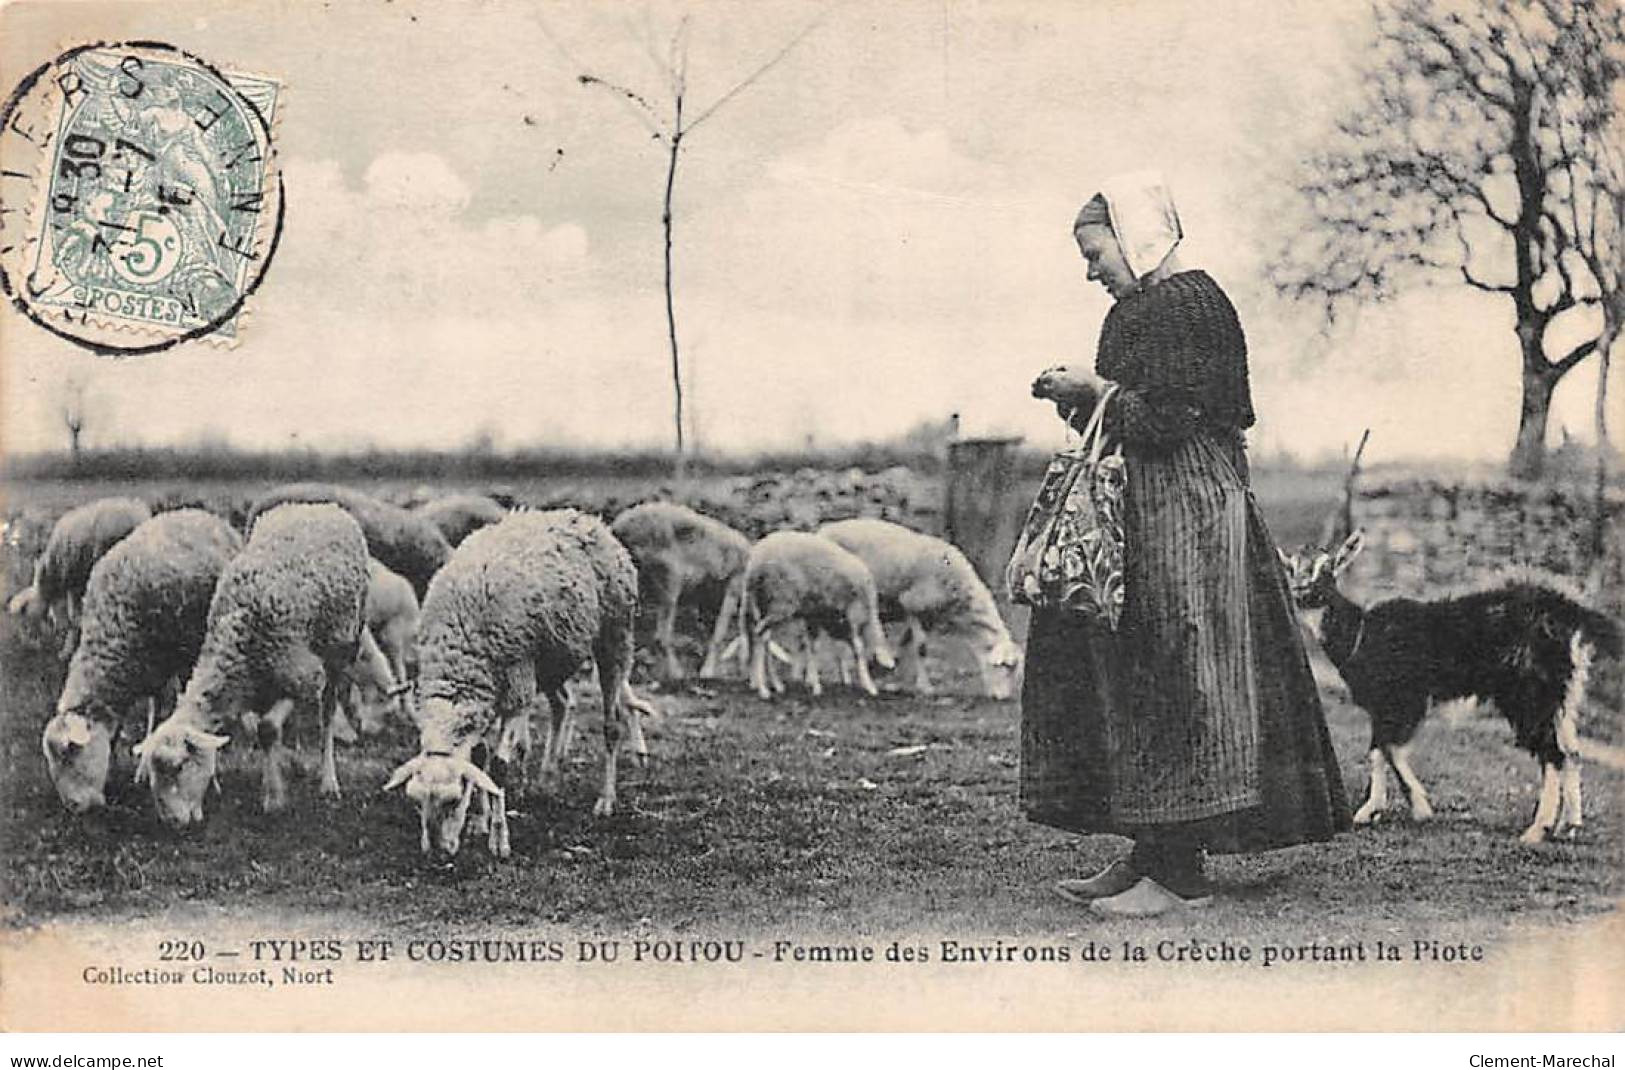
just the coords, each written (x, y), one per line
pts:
(793, 574)
(284, 628)
(387, 645)
(929, 584)
(78, 540)
(460, 515)
(1523, 644)
(519, 608)
(684, 556)
(144, 612)
(404, 541)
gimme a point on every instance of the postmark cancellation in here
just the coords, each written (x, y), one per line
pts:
(141, 201)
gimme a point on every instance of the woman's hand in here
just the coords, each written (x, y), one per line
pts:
(1075, 392)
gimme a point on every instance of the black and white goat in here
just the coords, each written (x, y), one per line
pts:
(1524, 645)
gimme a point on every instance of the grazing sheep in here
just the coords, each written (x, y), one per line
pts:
(78, 540)
(519, 608)
(684, 556)
(1524, 645)
(144, 613)
(460, 515)
(929, 584)
(405, 541)
(284, 629)
(386, 647)
(794, 575)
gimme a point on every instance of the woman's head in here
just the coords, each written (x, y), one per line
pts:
(1097, 244)
(1128, 232)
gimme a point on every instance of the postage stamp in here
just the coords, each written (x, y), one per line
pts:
(141, 200)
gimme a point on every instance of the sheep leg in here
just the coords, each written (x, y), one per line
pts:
(914, 643)
(757, 655)
(497, 841)
(843, 664)
(1571, 818)
(1546, 809)
(331, 688)
(814, 684)
(274, 786)
(668, 628)
(560, 725)
(712, 666)
(513, 740)
(865, 681)
(776, 656)
(1399, 758)
(614, 661)
(1377, 794)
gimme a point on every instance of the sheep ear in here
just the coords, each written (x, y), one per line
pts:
(1348, 551)
(206, 740)
(480, 777)
(401, 775)
(1287, 559)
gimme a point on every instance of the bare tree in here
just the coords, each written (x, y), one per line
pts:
(1483, 151)
(672, 127)
(73, 412)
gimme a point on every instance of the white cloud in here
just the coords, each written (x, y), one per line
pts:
(415, 182)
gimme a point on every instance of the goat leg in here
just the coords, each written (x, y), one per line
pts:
(1399, 758)
(1571, 817)
(1377, 794)
(1546, 811)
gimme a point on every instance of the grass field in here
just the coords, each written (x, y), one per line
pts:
(757, 818)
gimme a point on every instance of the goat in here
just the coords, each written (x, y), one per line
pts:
(1524, 645)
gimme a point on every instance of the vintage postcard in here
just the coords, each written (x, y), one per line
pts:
(800, 515)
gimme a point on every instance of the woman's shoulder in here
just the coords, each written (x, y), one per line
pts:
(1193, 284)
(1192, 295)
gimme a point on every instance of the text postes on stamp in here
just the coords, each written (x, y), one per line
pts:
(140, 196)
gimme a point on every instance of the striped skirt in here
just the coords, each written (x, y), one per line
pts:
(1200, 710)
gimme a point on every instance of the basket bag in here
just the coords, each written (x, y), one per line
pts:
(1069, 554)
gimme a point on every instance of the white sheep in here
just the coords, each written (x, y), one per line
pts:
(143, 619)
(387, 646)
(519, 608)
(78, 540)
(406, 542)
(793, 575)
(684, 556)
(929, 584)
(460, 515)
(284, 628)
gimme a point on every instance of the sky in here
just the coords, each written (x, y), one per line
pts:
(874, 233)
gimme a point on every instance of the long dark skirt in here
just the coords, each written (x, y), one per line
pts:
(1200, 713)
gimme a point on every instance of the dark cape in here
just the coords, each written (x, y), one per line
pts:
(1200, 711)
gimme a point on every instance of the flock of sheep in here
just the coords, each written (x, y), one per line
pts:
(335, 595)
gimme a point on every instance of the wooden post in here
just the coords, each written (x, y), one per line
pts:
(980, 515)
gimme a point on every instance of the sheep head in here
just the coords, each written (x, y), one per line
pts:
(441, 786)
(78, 747)
(1001, 668)
(178, 760)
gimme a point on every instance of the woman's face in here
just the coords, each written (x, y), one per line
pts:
(1100, 251)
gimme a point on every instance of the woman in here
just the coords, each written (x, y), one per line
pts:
(1196, 725)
